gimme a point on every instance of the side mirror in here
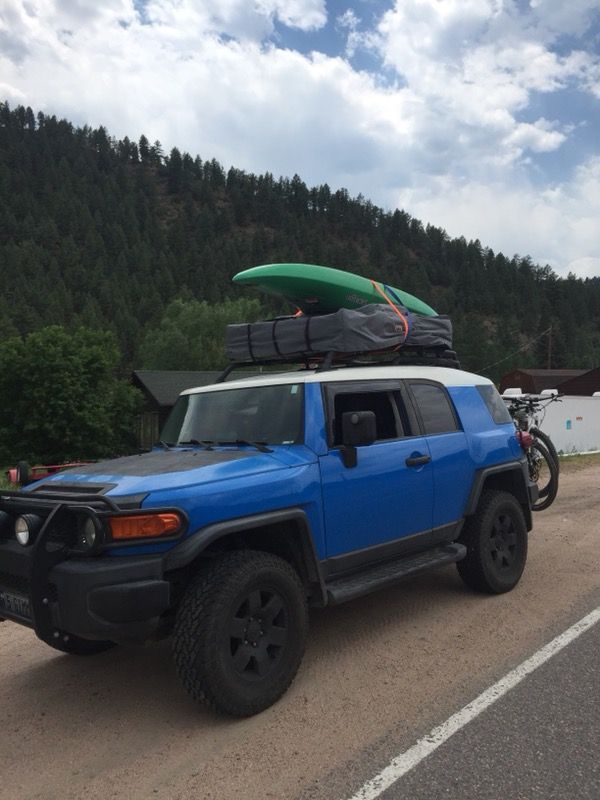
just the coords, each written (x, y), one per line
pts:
(358, 427)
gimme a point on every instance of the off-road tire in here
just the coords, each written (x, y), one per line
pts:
(496, 541)
(76, 646)
(240, 632)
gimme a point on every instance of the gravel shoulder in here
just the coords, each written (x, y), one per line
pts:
(379, 672)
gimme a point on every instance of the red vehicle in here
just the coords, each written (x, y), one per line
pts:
(23, 473)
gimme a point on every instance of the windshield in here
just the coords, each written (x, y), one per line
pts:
(269, 414)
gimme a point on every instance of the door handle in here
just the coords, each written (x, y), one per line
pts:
(417, 461)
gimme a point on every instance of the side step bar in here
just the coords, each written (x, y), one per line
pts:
(391, 572)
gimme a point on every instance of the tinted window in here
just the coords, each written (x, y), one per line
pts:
(436, 412)
(380, 403)
(495, 404)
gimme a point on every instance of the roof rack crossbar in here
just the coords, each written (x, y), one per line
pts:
(323, 362)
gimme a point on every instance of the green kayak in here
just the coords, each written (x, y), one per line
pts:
(322, 290)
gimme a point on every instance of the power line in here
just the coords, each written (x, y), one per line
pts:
(524, 347)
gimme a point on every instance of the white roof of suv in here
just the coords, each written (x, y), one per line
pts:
(444, 375)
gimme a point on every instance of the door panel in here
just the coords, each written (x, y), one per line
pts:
(379, 500)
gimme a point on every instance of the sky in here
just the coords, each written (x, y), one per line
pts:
(481, 117)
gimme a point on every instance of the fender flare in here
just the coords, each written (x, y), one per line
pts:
(194, 545)
(520, 477)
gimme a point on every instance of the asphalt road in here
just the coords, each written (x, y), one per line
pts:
(538, 742)
(379, 673)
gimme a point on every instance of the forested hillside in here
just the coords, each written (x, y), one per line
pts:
(106, 234)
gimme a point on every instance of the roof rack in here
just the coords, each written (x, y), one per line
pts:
(323, 362)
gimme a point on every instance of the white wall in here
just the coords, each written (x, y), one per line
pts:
(574, 424)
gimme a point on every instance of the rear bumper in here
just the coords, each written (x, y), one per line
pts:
(111, 598)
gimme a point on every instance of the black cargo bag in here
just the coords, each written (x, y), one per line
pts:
(372, 328)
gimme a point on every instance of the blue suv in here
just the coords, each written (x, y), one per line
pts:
(268, 495)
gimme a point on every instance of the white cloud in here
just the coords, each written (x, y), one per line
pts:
(552, 18)
(585, 267)
(447, 141)
(12, 94)
(539, 137)
(472, 64)
(349, 22)
(304, 14)
(562, 221)
(244, 19)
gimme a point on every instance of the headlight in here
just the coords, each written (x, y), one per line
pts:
(26, 526)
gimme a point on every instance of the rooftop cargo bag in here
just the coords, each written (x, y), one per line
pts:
(372, 328)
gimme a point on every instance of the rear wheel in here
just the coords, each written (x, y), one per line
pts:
(549, 445)
(496, 541)
(240, 632)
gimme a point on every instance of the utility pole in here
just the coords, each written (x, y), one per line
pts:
(549, 365)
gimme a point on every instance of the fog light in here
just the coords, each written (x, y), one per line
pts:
(26, 526)
(87, 535)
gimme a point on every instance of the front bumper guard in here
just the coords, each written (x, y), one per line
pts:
(101, 598)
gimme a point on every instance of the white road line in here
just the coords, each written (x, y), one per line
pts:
(403, 763)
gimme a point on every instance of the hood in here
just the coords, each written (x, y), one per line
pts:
(162, 469)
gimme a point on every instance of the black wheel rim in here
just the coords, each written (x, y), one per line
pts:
(258, 633)
(502, 544)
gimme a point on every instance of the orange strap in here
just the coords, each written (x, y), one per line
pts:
(378, 289)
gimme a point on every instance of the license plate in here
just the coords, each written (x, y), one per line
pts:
(15, 604)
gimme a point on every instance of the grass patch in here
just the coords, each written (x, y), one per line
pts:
(577, 463)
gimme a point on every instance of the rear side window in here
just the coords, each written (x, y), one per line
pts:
(495, 403)
(435, 408)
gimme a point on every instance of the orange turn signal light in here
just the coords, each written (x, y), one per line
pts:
(144, 526)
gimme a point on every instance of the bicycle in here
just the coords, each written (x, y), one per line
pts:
(544, 466)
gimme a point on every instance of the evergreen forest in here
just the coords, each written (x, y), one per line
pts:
(119, 236)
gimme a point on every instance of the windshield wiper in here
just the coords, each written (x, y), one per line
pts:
(166, 445)
(205, 444)
(259, 445)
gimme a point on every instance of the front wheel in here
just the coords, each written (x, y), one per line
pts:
(496, 541)
(241, 631)
(544, 472)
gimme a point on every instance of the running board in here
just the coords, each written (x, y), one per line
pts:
(391, 572)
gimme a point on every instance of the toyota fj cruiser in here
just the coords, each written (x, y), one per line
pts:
(266, 495)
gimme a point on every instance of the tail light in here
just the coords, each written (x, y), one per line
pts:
(525, 439)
